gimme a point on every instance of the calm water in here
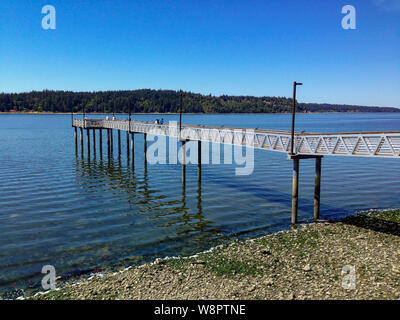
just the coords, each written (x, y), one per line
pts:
(80, 214)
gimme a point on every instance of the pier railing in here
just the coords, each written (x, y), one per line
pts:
(365, 144)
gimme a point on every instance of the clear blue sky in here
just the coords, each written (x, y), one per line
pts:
(232, 47)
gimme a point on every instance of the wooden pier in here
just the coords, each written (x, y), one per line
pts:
(305, 146)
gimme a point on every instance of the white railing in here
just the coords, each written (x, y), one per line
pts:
(367, 144)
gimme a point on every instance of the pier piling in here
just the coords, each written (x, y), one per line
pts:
(145, 147)
(127, 146)
(119, 142)
(101, 141)
(295, 190)
(81, 139)
(88, 141)
(94, 141)
(111, 142)
(108, 141)
(317, 188)
(76, 139)
(183, 162)
(133, 148)
(199, 160)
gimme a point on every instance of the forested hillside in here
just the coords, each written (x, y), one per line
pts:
(162, 101)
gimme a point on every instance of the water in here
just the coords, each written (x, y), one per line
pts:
(78, 214)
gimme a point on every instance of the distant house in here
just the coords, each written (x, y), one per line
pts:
(12, 110)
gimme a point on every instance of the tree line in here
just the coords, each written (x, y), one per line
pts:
(161, 101)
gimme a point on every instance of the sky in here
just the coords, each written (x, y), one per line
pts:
(233, 47)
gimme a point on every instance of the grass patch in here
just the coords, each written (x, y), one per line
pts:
(390, 215)
(225, 266)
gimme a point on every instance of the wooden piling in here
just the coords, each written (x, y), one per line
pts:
(183, 162)
(127, 146)
(199, 160)
(88, 140)
(76, 139)
(317, 188)
(111, 141)
(133, 147)
(295, 190)
(94, 140)
(119, 142)
(108, 141)
(145, 147)
(101, 141)
(81, 139)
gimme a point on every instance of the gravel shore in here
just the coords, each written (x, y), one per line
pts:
(312, 261)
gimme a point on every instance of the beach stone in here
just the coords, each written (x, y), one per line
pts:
(269, 282)
(396, 268)
(159, 261)
(252, 288)
(307, 268)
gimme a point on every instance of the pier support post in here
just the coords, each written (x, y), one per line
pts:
(295, 190)
(145, 147)
(111, 141)
(76, 139)
(101, 141)
(108, 141)
(81, 139)
(94, 140)
(119, 142)
(317, 189)
(127, 146)
(184, 162)
(133, 148)
(199, 160)
(88, 140)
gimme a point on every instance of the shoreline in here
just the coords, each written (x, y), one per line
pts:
(302, 263)
(191, 113)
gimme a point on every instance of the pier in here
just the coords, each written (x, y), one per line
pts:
(306, 145)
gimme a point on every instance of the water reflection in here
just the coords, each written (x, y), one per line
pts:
(182, 217)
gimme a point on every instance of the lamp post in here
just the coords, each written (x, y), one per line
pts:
(295, 84)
